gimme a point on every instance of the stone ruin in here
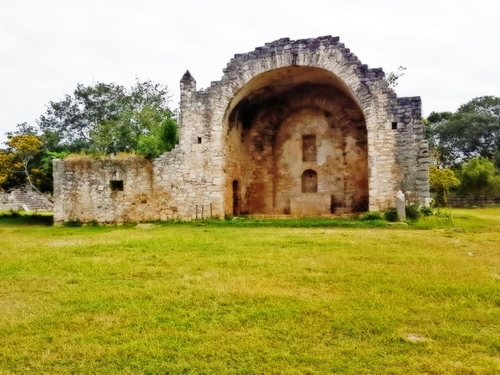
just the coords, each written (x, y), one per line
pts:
(24, 198)
(298, 128)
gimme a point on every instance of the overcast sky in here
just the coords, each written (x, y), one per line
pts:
(451, 49)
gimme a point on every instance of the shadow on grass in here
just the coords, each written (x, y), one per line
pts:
(25, 218)
(465, 219)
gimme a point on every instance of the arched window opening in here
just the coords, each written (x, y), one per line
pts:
(309, 181)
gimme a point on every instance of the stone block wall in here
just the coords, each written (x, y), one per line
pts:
(105, 190)
(240, 148)
(132, 188)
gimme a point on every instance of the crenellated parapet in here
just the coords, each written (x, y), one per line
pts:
(294, 48)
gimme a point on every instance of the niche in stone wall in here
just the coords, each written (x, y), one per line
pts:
(116, 185)
(309, 151)
(309, 181)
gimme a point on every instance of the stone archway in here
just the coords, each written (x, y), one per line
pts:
(286, 107)
(290, 120)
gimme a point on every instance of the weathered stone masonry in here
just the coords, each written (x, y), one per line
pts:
(292, 128)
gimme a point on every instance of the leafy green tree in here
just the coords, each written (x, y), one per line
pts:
(441, 181)
(162, 137)
(431, 126)
(48, 157)
(132, 129)
(479, 177)
(474, 130)
(104, 118)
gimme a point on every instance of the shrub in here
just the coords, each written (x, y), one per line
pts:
(391, 214)
(73, 223)
(14, 213)
(412, 212)
(374, 215)
(441, 181)
(426, 211)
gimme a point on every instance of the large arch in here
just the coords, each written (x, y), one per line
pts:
(293, 127)
(369, 142)
(283, 114)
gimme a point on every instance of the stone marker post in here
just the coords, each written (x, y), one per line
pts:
(400, 205)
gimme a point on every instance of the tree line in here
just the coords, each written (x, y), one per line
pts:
(106, 119)
(465, 150)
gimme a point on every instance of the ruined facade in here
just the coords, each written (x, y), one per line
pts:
(292, 128)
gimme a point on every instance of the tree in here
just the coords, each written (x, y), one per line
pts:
(104, 118)
(431, 124)
(48, 157)
(162, 137)
(132, 129)
(478, 177)
(24, 149)
(474, 130)
(6, 166)
(441, 181)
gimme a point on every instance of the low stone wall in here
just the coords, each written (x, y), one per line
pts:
(472, 201)
(131, 188)
(107, 190)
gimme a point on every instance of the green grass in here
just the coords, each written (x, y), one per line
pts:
(252, 297)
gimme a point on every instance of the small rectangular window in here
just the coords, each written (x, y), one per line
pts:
(199, 140)
(116, 185)
(308, 148)
(394, 126)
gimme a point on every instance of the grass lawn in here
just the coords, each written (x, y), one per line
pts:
(252, 298)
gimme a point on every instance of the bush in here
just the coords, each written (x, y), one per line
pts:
(391, 214)
(10, 213)
(412, 212)
(73, 223)
(372, 216)
(14, 213)
(426, 211)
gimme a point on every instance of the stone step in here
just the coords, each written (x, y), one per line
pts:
(25, 198)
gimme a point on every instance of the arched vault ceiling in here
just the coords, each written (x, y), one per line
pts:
(283, 99)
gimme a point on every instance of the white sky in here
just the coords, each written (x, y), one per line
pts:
(451, 49)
